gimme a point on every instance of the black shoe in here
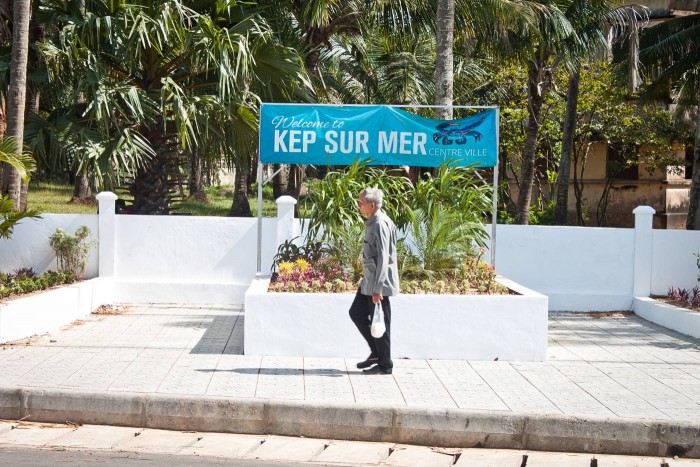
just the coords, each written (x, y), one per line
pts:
(377, 370)
(368, 363)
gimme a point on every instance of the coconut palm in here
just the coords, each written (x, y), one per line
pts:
(669, 55)
(12, 181)
(444, 58)
(161, 77)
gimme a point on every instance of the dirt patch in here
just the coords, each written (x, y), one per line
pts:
(678, 303)
(77, 322)
(111, 310)
(21, 342)
(609, 314)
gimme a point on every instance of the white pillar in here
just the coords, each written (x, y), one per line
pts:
(106, 234)
(285, 219)
(643, 218)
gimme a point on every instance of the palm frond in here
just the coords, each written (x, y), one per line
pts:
(11, 154)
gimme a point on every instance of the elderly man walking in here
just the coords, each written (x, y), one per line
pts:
(380, 281)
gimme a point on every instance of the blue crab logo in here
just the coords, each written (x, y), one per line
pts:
(454, 132)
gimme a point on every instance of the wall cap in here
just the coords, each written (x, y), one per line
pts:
(106, 195)
(644, 210)
(286, 200)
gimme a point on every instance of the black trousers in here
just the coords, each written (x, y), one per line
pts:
(361, 312)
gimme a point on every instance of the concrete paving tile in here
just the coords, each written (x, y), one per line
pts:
(559, 459)
(354, 452)
(490, 458)
(624, 367)
(95, 437)
(682, 462)
(418, 456)
(282, 448)
(163, 441)
(6, 426)
(605, 460)
(36, 434)
(223, 445)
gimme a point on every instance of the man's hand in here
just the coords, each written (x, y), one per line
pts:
(377, 298)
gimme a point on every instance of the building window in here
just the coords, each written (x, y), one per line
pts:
(622, 162)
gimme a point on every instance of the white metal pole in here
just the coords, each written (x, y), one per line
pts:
(260, 200)
(494, 216)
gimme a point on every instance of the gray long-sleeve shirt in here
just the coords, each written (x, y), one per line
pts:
(381, 273)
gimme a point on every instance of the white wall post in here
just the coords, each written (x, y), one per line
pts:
(106, 233)
(643, 218)
(285, 219)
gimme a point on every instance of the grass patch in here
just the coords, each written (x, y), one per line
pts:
(53, 198)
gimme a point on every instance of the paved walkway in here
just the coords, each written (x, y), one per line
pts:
(610, 367)
(91, 444)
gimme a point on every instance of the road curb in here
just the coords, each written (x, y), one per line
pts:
(406, 425)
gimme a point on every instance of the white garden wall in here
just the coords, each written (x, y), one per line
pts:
(578, 268)
(188, 259)
(213, 259)
(29, 245)
(673, 262)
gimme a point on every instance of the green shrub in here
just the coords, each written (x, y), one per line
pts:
(72, 250)
(19, 284)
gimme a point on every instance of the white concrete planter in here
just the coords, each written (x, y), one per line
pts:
(463, 327)
(672, 317)
(142, 291)
(52, 309)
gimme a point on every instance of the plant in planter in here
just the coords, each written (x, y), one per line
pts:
(25, 280)
(441, 217)
(72, 250)
(682, 297)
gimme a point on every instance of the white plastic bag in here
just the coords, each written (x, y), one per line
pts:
(378, 327)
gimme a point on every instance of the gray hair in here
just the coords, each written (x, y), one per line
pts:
(373, 195)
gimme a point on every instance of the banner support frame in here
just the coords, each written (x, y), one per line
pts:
(494, 205)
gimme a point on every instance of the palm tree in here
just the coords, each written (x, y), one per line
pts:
(542, 50)
(669, 55)
(444, 58)
(596, 22)
(16, 93)
(160, 78)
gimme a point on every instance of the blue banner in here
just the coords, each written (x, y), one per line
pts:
(339, 135)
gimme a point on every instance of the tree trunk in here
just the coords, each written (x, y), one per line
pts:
(693, 222)
(311, 61)
(196, 185)
(82, 193)
(296, 177)
(527, 169)
(152, 187)
(444, 61)
(16, 93)
(281, 180)
(36, 36)
(633, 71)
(240, 206)
(3, 116)
(561, 211)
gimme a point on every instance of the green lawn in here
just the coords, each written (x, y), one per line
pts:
(54, 198)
